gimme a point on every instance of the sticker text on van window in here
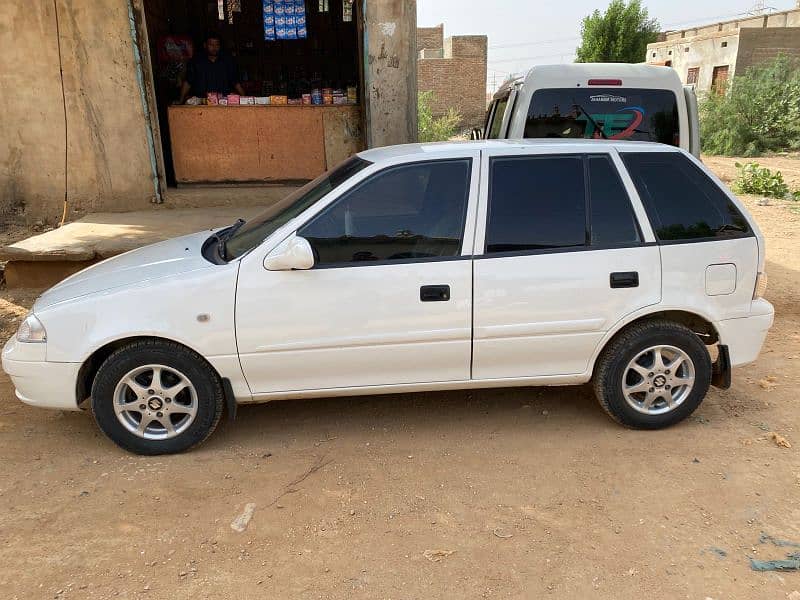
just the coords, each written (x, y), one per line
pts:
(618, 125)
(608, 98)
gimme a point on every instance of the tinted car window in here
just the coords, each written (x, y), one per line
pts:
(262, 226)
(536, 203)
(682, 202)
(614, 113)
(613, 220)
(497, 119)
(414, 211)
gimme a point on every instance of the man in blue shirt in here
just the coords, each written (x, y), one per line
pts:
(212, 71)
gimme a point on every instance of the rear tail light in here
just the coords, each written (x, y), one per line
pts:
(761, 286)
(605, 82)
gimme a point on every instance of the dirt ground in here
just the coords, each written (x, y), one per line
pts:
(523, 493)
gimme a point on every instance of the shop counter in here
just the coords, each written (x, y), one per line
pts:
(240, 144)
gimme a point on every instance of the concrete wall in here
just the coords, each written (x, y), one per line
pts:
(748, 41)
(107, 152)
(704, 52)
(456, 74)
(760, 45)
(390, 71)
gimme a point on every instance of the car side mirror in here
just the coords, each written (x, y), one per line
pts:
(476, 134)
(295, 254)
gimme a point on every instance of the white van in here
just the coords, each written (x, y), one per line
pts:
(596, 100)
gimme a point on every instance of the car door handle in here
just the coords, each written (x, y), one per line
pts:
(629, 279)
(434, 293)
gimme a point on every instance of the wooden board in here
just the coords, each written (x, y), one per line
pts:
(218, 144)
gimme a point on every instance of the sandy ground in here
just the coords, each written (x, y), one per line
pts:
(486, 494)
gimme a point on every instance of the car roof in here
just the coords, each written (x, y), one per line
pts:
(431, 149)
(577, 74)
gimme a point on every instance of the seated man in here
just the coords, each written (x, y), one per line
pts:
(212, 71)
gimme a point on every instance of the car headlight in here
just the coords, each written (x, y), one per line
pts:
(32, 330)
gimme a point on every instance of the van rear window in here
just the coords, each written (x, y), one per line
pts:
(612, 113)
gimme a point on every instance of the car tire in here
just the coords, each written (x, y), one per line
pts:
(640, 392)
(171, 387)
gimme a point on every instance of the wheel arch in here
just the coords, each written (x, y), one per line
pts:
(702, 326)
(91, 365)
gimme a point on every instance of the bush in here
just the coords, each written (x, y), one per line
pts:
(435, 129)
(753, 179)
(759, 112)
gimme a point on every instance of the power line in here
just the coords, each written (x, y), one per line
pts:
(542, 42)
(521, 58)
(699, 23)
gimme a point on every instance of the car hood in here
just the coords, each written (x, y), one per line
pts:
(164, 259)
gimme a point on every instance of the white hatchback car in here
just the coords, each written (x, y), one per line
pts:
(418, 267)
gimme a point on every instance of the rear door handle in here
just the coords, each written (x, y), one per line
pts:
(434, 293)
(628, 279)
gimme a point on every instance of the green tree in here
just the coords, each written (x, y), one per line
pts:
(758, 112)
(435, 129)
(621, 34)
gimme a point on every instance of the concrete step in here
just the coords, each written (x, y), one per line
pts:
(45, 259)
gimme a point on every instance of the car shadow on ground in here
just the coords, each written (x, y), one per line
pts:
(457, 412)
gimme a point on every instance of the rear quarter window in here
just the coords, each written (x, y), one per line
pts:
(682, 202)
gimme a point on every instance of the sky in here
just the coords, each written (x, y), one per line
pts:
(523, 33)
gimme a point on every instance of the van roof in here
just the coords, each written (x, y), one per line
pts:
(578, 75)
(561, 145)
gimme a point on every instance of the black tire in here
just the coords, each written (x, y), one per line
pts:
(209, 392)
(613, 361)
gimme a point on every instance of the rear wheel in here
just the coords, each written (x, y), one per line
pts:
(653, 375)
(156, 397)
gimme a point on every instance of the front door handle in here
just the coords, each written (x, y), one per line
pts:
(628, 279)
(434, 293)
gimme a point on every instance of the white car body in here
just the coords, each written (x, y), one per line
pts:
(539, 319)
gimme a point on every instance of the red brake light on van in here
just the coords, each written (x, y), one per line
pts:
(605, 82)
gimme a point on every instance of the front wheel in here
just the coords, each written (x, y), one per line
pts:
(653, 375)
(155, 397)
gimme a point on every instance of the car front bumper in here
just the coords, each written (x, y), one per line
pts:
(745, 336)
(38, 382)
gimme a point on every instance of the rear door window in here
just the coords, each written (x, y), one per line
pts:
(612, 113)
(540, 203)
(682, 202)
(536, 203)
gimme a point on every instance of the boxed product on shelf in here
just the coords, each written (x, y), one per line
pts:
(247, 100)
(262, 100)
(291, 31)
(233, 99)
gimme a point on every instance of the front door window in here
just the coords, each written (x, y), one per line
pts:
(410, 212)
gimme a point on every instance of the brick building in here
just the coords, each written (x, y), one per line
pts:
(708, 55)
(454, 69)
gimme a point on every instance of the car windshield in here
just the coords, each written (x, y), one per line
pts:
(255, 231)
(613, 113)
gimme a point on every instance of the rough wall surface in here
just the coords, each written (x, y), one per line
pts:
(107, 154)
(430, 38)
(458, 78)
(390, 71)
(738, 44)
(760, 45)
(704, 53)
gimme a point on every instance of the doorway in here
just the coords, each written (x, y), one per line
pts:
(300, 106)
